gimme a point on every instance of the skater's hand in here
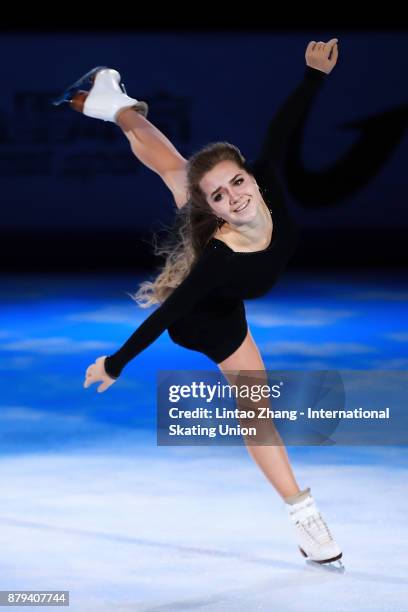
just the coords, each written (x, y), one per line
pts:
(95, 373)
(322, 56)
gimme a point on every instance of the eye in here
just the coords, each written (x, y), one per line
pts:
(237, 182)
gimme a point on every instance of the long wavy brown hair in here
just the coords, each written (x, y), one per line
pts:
(194, 226)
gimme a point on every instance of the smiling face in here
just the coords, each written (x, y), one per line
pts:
(231, 192)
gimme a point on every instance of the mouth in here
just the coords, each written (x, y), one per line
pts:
(242, 207)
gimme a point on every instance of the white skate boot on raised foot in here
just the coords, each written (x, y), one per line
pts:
(106, 97)
(313, 536)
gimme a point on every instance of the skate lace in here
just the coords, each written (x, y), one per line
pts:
(316, 529)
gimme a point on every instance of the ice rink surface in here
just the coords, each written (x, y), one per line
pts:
(127, 525)
(91, 504)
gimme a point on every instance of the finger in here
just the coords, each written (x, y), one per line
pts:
(89, 370)
(103, 387)
(311, 46)
(335, 54)
(330, 46)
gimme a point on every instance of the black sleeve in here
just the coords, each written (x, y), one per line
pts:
(206, 275)
(288, 117)
(284, 123)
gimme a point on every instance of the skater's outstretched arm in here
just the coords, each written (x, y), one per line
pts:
(206, 276)
(156, 152)
(320, 61)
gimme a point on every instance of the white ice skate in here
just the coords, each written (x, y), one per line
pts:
(106, 97)
(313, 536)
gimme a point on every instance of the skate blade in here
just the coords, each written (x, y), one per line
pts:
(84, 80)
(331, 565)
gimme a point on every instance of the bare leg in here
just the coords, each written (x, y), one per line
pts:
(155, 151)
(273, 460)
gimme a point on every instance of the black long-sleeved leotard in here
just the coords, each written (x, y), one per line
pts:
(206, 312)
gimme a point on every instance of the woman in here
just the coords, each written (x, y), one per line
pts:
(234, 237)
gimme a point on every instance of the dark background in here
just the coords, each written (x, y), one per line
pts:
(74, 197)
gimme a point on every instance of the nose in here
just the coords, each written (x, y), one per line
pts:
(234, 196)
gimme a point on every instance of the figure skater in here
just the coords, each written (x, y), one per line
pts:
(232, 238)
